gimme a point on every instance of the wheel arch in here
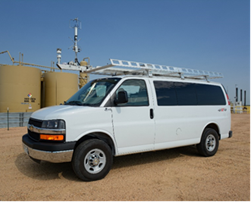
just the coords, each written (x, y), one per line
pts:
(101, 136)
(213, 126)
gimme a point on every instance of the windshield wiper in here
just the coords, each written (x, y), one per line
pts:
(77, 102)
(74, 102)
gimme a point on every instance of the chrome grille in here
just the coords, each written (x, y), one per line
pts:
(33, 135)
(35, 122)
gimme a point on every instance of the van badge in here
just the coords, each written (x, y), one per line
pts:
(31, 127)
(222, 109)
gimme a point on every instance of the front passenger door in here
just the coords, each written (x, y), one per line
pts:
(133, 121)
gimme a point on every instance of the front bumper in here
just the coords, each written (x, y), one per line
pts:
(51, 152)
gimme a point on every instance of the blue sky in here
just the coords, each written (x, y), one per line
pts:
(209, 35)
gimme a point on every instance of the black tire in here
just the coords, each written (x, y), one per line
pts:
(92, 160)
(209, 143)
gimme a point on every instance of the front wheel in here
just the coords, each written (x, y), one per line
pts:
(209, 143)
(92, 160)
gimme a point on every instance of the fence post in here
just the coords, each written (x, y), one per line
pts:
(7, 118)
(22, 119)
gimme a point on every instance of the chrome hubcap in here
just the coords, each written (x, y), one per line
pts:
(95, 161)
(210, 142)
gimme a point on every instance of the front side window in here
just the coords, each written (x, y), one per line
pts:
(136, 91)
(93, 93)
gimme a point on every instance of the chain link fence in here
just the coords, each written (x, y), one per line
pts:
(20, 119)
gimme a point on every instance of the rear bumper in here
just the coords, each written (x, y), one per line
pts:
(51, 152)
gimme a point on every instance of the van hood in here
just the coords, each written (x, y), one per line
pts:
(59, 112)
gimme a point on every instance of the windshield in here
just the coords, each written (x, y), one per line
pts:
(93, 93)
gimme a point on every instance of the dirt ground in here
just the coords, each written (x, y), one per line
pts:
(174, 174)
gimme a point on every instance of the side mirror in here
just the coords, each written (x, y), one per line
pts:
(122, 97)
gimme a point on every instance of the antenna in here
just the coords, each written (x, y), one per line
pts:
(76, 24)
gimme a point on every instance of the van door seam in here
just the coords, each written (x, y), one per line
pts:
(113, 130)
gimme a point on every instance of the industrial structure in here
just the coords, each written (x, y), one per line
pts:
(26, 88)
(239, 106)
(83, 76)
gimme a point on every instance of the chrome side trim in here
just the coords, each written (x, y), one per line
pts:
(45, 130)
(50, 156)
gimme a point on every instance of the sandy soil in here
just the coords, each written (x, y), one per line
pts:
(174, 174)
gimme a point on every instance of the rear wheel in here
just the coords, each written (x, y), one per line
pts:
(92, 160)
(209, 143)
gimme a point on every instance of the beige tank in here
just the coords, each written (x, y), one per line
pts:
(19, 88)
(83, 77)
(58, 87)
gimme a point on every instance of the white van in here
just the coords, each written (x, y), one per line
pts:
(123, 115)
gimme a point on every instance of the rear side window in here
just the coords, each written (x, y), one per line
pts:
(210, 95)
(179, 93)
(186, 94)
(166, 93)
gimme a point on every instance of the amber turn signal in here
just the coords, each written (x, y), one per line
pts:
(51, 137)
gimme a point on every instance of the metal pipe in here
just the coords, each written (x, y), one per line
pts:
(244, 98)
(19, 58)
(236, 97)
(24, 63)
(88, 60)
(12, 59)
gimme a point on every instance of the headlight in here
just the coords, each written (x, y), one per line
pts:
(54, 124)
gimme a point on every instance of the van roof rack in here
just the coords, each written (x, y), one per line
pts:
(124, 67)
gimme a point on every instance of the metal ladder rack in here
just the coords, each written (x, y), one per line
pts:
(124, 67)
(139, 68)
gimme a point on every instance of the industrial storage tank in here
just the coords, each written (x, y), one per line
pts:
(20, 88)
(58, 87)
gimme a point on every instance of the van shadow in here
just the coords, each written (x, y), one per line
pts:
(50, 171)
(44, 170)
(153, 157)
